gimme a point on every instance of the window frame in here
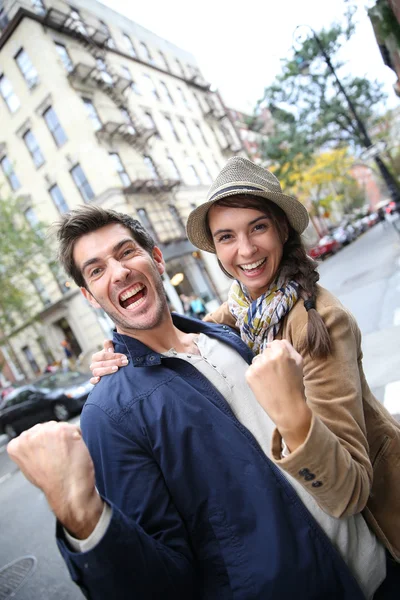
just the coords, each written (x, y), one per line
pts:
(58, 202)
(64, 56)
(33, 148)
(82, 186)
(120, 169)
(58, 128)
(4, 80)
(32, 81)
(10, 175)
(92, 113)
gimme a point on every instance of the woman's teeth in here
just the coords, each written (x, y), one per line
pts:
(252, 266)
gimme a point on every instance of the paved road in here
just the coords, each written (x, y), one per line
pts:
(365, 276)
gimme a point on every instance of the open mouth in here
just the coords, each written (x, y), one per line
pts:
(133, 297)
(253, 267)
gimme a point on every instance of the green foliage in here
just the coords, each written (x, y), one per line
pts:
(309, 111)
(22, 250)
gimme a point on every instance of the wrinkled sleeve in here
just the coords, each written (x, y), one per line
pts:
(145, 552)
(333, 462)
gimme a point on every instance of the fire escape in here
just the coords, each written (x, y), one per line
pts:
(216, 112)
(104, 77)
(172, 238)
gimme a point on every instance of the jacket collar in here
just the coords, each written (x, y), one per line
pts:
(142, 356)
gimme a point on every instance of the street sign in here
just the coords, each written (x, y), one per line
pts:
(373, 150)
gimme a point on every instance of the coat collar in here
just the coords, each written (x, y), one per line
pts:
(142, 356)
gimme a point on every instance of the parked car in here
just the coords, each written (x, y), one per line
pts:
(342, 235)
(55, 396)
(325, 247)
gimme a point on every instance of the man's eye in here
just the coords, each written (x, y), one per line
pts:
(95, 272)
(127, 252)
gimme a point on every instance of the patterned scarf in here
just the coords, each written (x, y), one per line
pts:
(260, 320)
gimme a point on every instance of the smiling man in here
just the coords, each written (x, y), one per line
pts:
(170, 496)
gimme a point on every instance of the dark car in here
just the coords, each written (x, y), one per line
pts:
(55, 396)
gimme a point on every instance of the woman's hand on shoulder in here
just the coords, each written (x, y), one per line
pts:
(106, 362)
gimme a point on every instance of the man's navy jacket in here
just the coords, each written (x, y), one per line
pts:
(199, 511)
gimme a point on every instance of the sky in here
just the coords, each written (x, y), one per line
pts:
(239, 44)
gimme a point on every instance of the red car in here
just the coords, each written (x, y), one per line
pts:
(325, 247)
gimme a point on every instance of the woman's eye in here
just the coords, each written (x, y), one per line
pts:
(224, 237)
(260, 227)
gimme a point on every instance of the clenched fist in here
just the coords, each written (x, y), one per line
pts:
(54, 457)
(276, 379)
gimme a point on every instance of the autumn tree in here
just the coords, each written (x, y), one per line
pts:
(310, 113)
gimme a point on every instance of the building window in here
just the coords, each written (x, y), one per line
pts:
(148, 161)
(60, 277)
(38, 7)
(146, 53)
(187, 131)
(10, 173)
(7, 91)
(170, 124)
(177, 218)
(183, 97)
(27, 69)
(105, 29)
(200, 133)
(104, 74)
(146, 222)
(150, 87)
(150, 123)
(65, 57)
(75, 22)
(30, 358)
(129, 45)
(164, 61)
(127, 119)
(54, 126)
(82, 183)
(166, 92)
(92, 114)
(180, 67)
(173, 168)
(58, 199)
(133, 85)
(41, 291)
(31, 217)
(33, 147)
(206, 173)
(192, 175)
(119, 167)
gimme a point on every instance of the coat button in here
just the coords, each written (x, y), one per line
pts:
(224, 327)
(317, 484)
(309, 476)
(303, 472)
(151, 358)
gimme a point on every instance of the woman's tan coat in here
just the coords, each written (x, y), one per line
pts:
(353, 446)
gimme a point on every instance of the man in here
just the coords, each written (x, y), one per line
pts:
(188, 504)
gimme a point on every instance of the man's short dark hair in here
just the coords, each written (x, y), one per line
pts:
(77, 223)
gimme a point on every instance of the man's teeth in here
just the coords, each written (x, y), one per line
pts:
(129, 293)
(252, 265)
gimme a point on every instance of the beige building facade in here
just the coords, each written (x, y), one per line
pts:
(96, 109)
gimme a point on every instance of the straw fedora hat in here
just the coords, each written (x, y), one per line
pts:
(241, 176)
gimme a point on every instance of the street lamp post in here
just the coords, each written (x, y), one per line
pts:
(366, 140)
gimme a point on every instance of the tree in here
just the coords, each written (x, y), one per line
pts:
(310, 113)
(23, 251)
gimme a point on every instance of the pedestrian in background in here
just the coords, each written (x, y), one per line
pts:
(352, 442)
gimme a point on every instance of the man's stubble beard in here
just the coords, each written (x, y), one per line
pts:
(162, 308)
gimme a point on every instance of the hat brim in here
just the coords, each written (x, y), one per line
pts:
(196, 227)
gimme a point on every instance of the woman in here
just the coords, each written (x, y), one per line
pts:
(349, 457)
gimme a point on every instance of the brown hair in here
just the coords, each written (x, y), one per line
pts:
(79, 222)
(295, 264)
